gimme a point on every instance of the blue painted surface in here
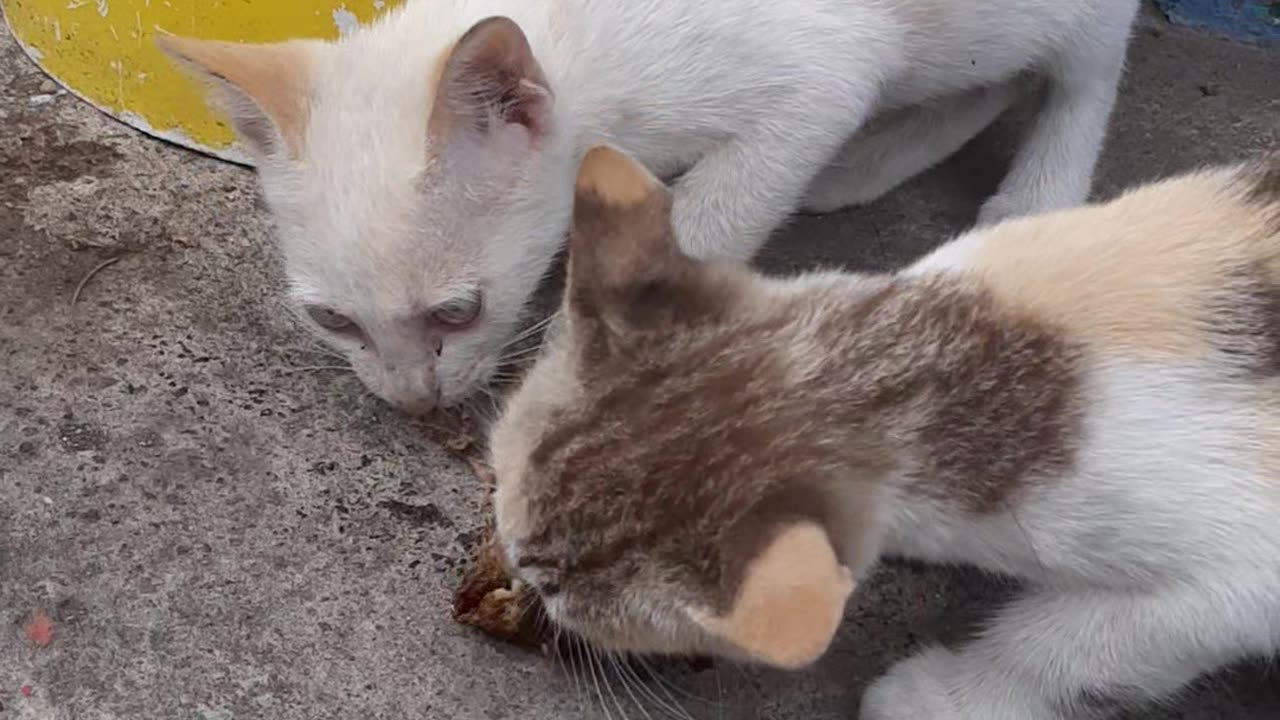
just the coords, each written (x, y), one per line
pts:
(1256, 20)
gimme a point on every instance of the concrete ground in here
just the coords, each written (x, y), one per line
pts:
(217, 532)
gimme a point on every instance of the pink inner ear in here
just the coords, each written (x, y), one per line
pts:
(491, 80)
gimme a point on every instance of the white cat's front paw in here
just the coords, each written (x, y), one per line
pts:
(914, 689)
(996, 210)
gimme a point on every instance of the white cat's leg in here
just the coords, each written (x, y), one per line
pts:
(905, 143)
(1048, 654)
(1054, 167)
(730, 201)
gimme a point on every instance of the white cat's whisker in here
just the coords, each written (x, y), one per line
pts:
(519, 341)
(315, 368)
(531, 329)
(523, 352)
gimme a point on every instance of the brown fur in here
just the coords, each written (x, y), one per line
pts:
(702, 412)
(1264, 181)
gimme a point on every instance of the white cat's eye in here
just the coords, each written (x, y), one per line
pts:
(459, 312)
(331, 320)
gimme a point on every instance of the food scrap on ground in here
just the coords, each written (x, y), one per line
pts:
(490, 601)
(487, 598)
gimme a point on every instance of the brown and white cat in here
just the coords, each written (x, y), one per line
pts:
(708, 460)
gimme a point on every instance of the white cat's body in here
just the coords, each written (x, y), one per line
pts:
(382, 216)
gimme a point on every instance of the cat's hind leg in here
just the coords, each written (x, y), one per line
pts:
(903, 143)
(1052, 655)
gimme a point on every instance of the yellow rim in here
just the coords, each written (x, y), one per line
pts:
(101, 50)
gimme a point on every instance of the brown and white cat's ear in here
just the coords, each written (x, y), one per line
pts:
(790, 602)
(491, 82)
(626, 272)
(263, 88)
(621, 232)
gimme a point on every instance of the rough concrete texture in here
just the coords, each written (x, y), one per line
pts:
(217, 532)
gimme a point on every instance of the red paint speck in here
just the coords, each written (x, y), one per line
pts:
(25, 691)
(39, 628)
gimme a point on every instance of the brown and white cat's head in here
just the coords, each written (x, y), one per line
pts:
(415, 175)
(658, 482)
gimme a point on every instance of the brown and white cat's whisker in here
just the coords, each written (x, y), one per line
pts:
(669, 706)
(719, 693)
(605, 681)
(658, 701)
(677, 708)
(558, 648)
(618, 663)
(590, 659)
(579, 678)
(626, 668)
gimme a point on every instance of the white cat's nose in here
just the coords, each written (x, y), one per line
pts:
(418, 405)
(416, 395)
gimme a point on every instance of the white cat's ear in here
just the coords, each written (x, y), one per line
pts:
(491, 84)
(790, 602)
(262, 89)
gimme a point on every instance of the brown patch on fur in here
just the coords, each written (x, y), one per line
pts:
(692, 449)
(275, 77)
(790, 601)
(1245, 323)
(1265, 176)
(992, 399)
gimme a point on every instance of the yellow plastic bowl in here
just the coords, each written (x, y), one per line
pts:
(102, 51)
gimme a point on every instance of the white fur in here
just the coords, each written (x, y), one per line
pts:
(751, 98)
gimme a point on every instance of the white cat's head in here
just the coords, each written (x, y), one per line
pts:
(418, 187)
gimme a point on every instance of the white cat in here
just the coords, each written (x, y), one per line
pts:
(420, 169)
